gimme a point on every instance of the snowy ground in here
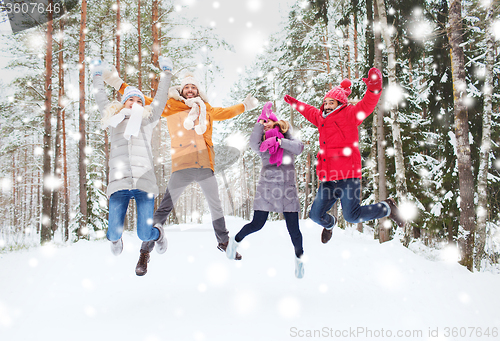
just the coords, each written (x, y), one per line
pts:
(353, 289)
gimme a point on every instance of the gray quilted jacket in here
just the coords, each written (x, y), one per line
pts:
(276, 190)
(131, 161)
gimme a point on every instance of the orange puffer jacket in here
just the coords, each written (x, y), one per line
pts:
(188, 149)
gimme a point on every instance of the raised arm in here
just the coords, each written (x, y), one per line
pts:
(161, 97)
(311, 113)
(221, 114)
(99, 93)
(365, 107)
(256, 137)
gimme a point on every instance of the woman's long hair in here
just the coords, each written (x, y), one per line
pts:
(283, 125)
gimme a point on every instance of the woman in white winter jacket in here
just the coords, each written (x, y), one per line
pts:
(131, 168)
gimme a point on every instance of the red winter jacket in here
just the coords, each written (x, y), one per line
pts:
(339, 157)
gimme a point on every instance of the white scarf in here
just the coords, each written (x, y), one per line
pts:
(134, 122)
(198, 109)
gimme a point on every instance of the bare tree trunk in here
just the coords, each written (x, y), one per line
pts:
(482, 181)
(14, 191)
(383, 232)
(82, 157)
(155, 29)
(64, 157)
(139, 47)
(465, 177)
(46, 234)
(355, 24)
(307, 184)
(118, 41)
(401, 187)
(156, 139)
(58, 154)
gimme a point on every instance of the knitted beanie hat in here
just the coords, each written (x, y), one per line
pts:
(131, 91)
(340, 92)
(189, 78)
(267, 113)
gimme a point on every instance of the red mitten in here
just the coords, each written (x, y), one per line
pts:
(374, 80)
(290, 100)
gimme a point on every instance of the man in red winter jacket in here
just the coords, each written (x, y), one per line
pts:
(339, 159)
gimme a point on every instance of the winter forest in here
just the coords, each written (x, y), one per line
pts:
(432, 142)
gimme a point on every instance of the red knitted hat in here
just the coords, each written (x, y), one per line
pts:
(340, 92)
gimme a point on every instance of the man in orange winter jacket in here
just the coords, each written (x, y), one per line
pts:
(190, 124)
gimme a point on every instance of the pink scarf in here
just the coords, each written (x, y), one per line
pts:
(271, 143)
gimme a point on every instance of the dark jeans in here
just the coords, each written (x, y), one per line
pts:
(349, 193)
(260, 218)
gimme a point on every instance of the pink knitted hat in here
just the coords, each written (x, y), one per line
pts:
(340, 92)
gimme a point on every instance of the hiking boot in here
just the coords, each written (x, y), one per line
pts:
(299, 267)
(395, 214)
(117, 247)
(161, 242)
(223, 247)
(327, 233)
(142, 265)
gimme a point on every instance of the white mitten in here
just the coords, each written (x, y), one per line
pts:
(250, 102)
(165, 63)
(111, 77)
(96, 67)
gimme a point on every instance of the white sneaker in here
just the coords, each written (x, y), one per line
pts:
(299, 267)
(117, 247)
(161, 243)
(232, 246)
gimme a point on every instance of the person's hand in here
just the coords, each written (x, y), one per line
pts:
(250, 102)
(165, 64)
(96, 67)
(290, 100)
(268, 143)
(111, 77)
(262, 122)
(374, 80)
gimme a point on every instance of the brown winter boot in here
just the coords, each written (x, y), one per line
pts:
(223, 247)
(395, 214)
(326, 235)
(142, 264)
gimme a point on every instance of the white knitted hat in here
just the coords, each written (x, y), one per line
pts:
(189, 78)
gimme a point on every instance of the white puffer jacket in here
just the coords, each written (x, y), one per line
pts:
(131, 163)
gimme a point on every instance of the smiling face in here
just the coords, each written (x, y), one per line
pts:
(189, 91)
(134, 99)
(268, 125)
(330, 104)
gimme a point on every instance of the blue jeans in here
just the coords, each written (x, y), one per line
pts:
(260, 218)
(118, 204)
(349, 193)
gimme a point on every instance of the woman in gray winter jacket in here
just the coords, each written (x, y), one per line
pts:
(276, 190)
(131, 168)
